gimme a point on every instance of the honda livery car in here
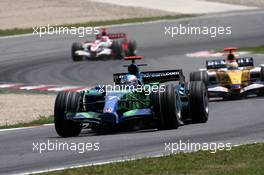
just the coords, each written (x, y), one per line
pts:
(232, 77)
(141, 101)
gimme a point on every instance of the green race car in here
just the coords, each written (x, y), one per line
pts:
(156, 99)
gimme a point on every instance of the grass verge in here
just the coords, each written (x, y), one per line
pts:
(37, 122)
(257, 49)
(242, 160)
(17, 31)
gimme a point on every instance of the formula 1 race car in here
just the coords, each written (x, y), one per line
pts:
(231, 78)
(137, 99)
(113, 45)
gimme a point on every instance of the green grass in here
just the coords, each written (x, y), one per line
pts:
(37, 122)
(17, 31)
(242, 160)
(257, 49)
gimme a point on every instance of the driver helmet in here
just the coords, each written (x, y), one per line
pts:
(232, 65)
(103, 31)
(129, 80)
(104, 38)
(231, 57)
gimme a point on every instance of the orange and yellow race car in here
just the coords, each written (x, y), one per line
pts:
(231, 77)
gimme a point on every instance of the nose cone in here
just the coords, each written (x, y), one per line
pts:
(111, 100)
(109, 115)
(111, 103)
(235, 78)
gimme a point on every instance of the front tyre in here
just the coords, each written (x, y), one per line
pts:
(200, 76)
(76, 47)
(66, 101)
(198, 102)
(166, 107)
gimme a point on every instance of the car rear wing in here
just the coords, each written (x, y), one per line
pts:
(113, 36)
(155, 76)
(221, 63)
(245, 62)
(215, 64)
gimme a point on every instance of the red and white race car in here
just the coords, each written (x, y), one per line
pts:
(113, 45)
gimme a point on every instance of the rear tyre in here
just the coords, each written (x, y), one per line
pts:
(66, 101)
(261, 91)
(132, 47)
(75, 47)
(117, 49)
(200, 76)
(198, 102)
(166, 107)
(262, 74)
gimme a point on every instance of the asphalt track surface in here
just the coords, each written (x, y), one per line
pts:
(47, 60)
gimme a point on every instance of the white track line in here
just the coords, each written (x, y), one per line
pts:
(33, 87)
(29, 127)
(16, 36)
(9, 85)
(15, 129)
(89, 164)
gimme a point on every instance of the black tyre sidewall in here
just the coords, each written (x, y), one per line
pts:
(261, 91)
(132, 46)
(75, 47)
(198, 102)
(66, 101)
(200, 76)
(117, 48)
(166, 108)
